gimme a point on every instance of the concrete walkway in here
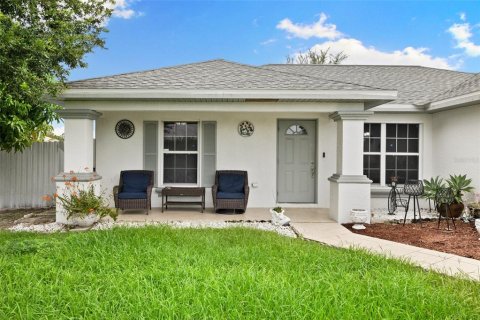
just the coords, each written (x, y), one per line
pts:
(336, 235)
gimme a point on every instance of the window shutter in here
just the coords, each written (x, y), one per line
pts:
(150, 146)
(209, 153)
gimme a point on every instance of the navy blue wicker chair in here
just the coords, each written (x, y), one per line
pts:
(134, 190)
(230, 190)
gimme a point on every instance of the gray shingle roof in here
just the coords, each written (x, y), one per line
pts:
(416, 85)
(215, 75)
(470, 85)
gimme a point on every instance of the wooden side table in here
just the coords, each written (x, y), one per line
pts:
(182, 192)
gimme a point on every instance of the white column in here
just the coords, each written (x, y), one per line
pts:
(349, 187)
(78, 155)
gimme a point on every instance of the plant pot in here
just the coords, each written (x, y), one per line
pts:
(359, 217)
(279, 218)
(456, 210)
(84, 221)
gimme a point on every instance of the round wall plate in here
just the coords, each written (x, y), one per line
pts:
(124, 129)
(245, 128)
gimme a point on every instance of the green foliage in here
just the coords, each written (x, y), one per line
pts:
(459, 185)
(278, 209)
(80, 202)
(432, 186)
(235, 273)
(40, 42)
(314, 57)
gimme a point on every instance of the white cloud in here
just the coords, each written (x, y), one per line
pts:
(463, 16)
(268, 41)
(122, 9)
(358, 53)
(59, 129)
(462, 34)
(319, 29)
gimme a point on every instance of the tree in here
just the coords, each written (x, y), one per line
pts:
(314, 57)
(40, 42)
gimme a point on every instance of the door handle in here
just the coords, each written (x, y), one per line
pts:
(312, 169)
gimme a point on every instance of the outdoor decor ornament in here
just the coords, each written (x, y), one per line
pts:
(245, 128)
(124, 129)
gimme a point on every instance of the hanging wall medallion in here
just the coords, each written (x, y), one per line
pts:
(125, 129)
(245, 128)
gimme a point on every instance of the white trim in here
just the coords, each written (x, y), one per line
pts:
(455, 102)
(141, 94)
(390, 107)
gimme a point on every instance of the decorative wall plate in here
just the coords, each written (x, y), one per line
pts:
(125, 129)
(245, 128)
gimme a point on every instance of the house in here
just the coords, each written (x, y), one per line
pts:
(327, 136)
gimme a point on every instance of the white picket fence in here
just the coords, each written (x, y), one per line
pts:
(26, 177)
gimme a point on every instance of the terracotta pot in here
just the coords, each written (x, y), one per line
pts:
(456, 210)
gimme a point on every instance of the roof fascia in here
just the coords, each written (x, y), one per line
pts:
(455, 102)
(155, 94)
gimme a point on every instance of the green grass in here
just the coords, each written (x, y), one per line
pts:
(159, 272)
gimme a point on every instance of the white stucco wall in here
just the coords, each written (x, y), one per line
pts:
(457, 143)
(256, 154)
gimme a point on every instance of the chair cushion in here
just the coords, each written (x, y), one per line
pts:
(230, 183)
(135, 182)
(230, 195)
(132, 195)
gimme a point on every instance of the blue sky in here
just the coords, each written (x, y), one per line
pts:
(148, 34)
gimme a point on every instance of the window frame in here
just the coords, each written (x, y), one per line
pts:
(383, 150)
(166, 151)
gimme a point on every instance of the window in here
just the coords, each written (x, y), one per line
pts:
(296, 129)
(180, 152)
(390, 150)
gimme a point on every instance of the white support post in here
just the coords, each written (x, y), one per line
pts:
(78, 155)
(349, 187)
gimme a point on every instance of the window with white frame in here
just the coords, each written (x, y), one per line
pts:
(180, 152)
(391, 150)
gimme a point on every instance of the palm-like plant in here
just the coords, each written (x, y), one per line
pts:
(459, 185)
(432, 186)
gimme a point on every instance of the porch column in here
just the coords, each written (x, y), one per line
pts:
(78, 154)
(349, 188)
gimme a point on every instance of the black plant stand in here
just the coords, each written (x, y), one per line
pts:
(444, 198)
(414, 190)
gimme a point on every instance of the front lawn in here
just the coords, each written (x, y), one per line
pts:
(159, 272)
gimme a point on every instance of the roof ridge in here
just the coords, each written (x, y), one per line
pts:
(331, 80)
(147, 70)
(438, 97)
(366, 65)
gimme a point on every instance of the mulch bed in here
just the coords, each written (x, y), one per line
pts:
(464, 241)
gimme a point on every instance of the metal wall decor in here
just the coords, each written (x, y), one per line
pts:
(245, 128)
(124, 129)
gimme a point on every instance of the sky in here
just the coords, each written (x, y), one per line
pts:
(149, 34)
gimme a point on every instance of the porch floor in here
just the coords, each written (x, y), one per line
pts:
(304, 215)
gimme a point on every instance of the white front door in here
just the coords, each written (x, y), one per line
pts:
(296, 161)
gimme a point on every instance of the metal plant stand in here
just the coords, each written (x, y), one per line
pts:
(394, 198)
(443, 198)
(414, 189)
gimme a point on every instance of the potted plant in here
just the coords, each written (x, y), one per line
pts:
(459, 184)
(83, 206)
(431, 187)
(278, 216)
